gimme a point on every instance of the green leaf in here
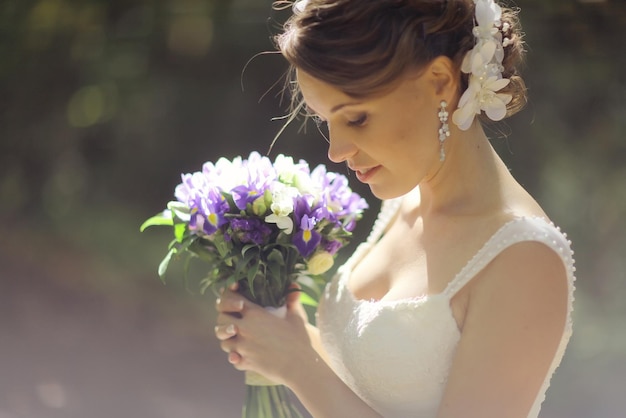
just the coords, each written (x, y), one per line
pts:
(179, 231)
(252, 272)
(221, 245)
(248, 247)
(166, 261)
(307, 300)
(276, 256)
(163, 218)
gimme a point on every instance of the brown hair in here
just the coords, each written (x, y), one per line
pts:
(362, 46)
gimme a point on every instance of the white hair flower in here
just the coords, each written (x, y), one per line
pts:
(483, 63)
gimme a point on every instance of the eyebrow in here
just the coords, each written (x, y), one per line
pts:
(335, 108)
(342, 105)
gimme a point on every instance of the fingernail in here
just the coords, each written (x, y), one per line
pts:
(233, 286)
(230, 330)
(239, 304)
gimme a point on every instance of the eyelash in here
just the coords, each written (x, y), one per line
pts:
(354, 123)
(358, 122)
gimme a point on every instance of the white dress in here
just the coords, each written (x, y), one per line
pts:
(396, 355)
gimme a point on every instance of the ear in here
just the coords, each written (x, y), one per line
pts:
(444, 77)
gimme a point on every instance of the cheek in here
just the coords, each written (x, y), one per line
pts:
(413, 135)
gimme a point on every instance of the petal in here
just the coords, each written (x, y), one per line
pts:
(466, 66)
(468, 95)
(306, 241)
(484, 14)
(506, 98)
(283, 223)
(487, 12)
(478, 64)
(495, 109)
(286, 224)
(494, 84)
(487, 50)
(464, 116)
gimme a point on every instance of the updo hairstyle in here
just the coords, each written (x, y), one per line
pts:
(361, 47)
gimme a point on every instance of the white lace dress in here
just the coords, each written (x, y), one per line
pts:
(396, 355)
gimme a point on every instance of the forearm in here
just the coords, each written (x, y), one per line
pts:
(325, 395)
(316, 342)
(320, 390)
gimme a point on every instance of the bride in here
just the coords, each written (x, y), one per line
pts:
(459, 303)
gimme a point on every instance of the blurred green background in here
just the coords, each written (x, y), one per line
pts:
(104, 103)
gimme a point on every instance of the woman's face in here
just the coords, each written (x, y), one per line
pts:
(390, 141)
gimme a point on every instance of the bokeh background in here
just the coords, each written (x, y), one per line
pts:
(104, 103)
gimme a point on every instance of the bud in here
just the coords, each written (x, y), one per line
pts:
(258, 206)
(320, 263)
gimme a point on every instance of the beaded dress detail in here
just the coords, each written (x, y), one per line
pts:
(396, 355)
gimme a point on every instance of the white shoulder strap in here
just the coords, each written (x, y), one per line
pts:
(513, 232)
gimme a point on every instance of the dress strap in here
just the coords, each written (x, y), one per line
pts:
(515, 231)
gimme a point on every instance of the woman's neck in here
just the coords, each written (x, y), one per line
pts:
(469, 181)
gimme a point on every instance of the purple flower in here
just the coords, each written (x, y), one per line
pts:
(337, 199)
(249, 230)
(332, 246)
(207, 212)
(242, 195)
(306, 239)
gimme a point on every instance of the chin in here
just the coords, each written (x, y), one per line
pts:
(386, 193)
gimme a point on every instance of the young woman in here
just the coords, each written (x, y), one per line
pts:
(459, 303)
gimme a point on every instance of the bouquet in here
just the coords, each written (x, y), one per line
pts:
(266, 226)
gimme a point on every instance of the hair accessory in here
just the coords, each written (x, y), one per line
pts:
(444, 130)
(484, 65)
(298, 6)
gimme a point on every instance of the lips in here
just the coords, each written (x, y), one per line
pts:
(365, 173)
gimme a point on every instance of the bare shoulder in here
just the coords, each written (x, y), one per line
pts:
(527, 280)
(526, 266)
(516, 315)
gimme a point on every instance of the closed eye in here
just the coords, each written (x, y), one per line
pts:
(360, 121)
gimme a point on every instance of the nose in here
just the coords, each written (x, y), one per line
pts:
(340, 147)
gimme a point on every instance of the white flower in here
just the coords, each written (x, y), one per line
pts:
(294, 174)
(284, 223)
(488, 14)
(482, 96)
(484, 65)
(283, 199)
(282, 205)
(285, 168)
(225, 174)
(299, 6)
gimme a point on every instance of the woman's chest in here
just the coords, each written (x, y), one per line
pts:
(405, 263)
(414, 259)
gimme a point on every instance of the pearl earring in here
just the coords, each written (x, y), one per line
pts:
(444, 130)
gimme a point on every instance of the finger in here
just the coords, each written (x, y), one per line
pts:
(226, 331)
(293, 297)
(234, 358)
(229, 302)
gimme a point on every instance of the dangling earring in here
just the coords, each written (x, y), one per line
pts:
(444, 130)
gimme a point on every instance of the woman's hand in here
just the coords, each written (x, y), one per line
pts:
(257, 340)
